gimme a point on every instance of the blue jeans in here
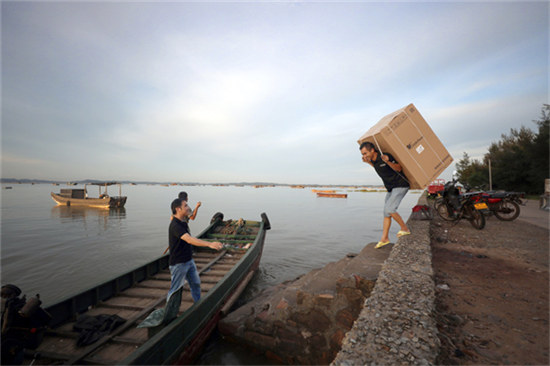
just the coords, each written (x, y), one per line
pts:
(185, 271)
(393, 199)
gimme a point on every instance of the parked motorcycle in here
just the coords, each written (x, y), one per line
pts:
(453, 206)
(504, 205)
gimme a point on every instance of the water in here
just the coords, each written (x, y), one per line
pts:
(60, 251)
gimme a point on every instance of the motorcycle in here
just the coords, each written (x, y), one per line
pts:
(454, 206)
(504, 205)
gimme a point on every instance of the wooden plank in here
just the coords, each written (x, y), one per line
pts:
(119, 306)
(128, 340)
(92, 348)
(62, 334)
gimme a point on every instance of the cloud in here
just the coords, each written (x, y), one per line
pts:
(274, 90)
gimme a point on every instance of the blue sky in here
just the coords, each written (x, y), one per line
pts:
(245, 91)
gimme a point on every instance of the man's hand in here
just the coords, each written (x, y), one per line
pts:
(385, 158)
(216, 245)
(198, 205)
(366, 160)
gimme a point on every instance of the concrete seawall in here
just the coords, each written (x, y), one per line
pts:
(396, 325)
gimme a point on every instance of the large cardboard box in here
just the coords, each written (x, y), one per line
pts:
(406, 135)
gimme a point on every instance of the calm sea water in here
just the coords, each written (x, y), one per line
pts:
(60, 251)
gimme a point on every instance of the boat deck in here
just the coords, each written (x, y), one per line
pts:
(134, 304)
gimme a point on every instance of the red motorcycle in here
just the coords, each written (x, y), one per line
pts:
(504, 205)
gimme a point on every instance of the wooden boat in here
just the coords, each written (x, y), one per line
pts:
(333, 195)
(79, 197)
(323, 191)
(224, 275)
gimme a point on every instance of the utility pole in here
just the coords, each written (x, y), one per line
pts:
(490, 177)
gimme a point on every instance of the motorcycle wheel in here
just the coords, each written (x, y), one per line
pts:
(507, 211)
(440, 206)
(476, 218)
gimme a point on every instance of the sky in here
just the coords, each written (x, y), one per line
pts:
(257, 91)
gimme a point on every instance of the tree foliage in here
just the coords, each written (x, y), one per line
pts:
(472, 172)
(519, 161)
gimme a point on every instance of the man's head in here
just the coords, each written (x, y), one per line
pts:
(183, 196)
(367, 150)
(179, 207)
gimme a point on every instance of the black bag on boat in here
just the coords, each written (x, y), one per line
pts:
(92, 328)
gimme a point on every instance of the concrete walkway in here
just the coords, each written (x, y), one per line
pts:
(532, 214)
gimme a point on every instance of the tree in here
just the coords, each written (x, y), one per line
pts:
(519, 161)
(472, 172)
(510, 160)
(540, 151)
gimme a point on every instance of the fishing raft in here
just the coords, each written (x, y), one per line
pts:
(133, 296)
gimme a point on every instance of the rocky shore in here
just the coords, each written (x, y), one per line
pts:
(396, 325)
(304, 321)
(446, 294)
(329, 314)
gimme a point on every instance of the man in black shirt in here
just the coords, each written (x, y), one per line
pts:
(181, 263)
(396, 184)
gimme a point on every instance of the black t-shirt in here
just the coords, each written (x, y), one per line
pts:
(180, 250)
(390, 177)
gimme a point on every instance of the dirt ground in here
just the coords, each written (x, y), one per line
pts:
(491, 292)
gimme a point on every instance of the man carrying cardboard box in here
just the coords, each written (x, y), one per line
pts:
(395, 182)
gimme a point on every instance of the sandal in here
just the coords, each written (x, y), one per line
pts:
(381, 244)
(403, 233)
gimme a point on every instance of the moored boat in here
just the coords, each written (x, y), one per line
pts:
(323, 191)
(333, 195)
(79, 197)
(134, 295)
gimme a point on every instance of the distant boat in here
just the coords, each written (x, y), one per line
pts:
(333, 195)
(8, 187)
(321, 191)
(79, 197)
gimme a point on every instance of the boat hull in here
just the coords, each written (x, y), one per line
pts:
(107, 202)
(332, 195)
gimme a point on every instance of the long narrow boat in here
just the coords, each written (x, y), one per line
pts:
(323, 191)
(79, 197)
(333, 195)
(134, 295)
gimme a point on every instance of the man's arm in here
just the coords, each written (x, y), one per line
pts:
(394, 165)
(194, 214)
(201, 243)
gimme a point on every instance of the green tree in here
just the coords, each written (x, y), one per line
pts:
(472, 172)
(510, 160)
(519, 161)
(540, 152)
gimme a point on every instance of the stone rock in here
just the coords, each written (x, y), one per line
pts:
(305, 320)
